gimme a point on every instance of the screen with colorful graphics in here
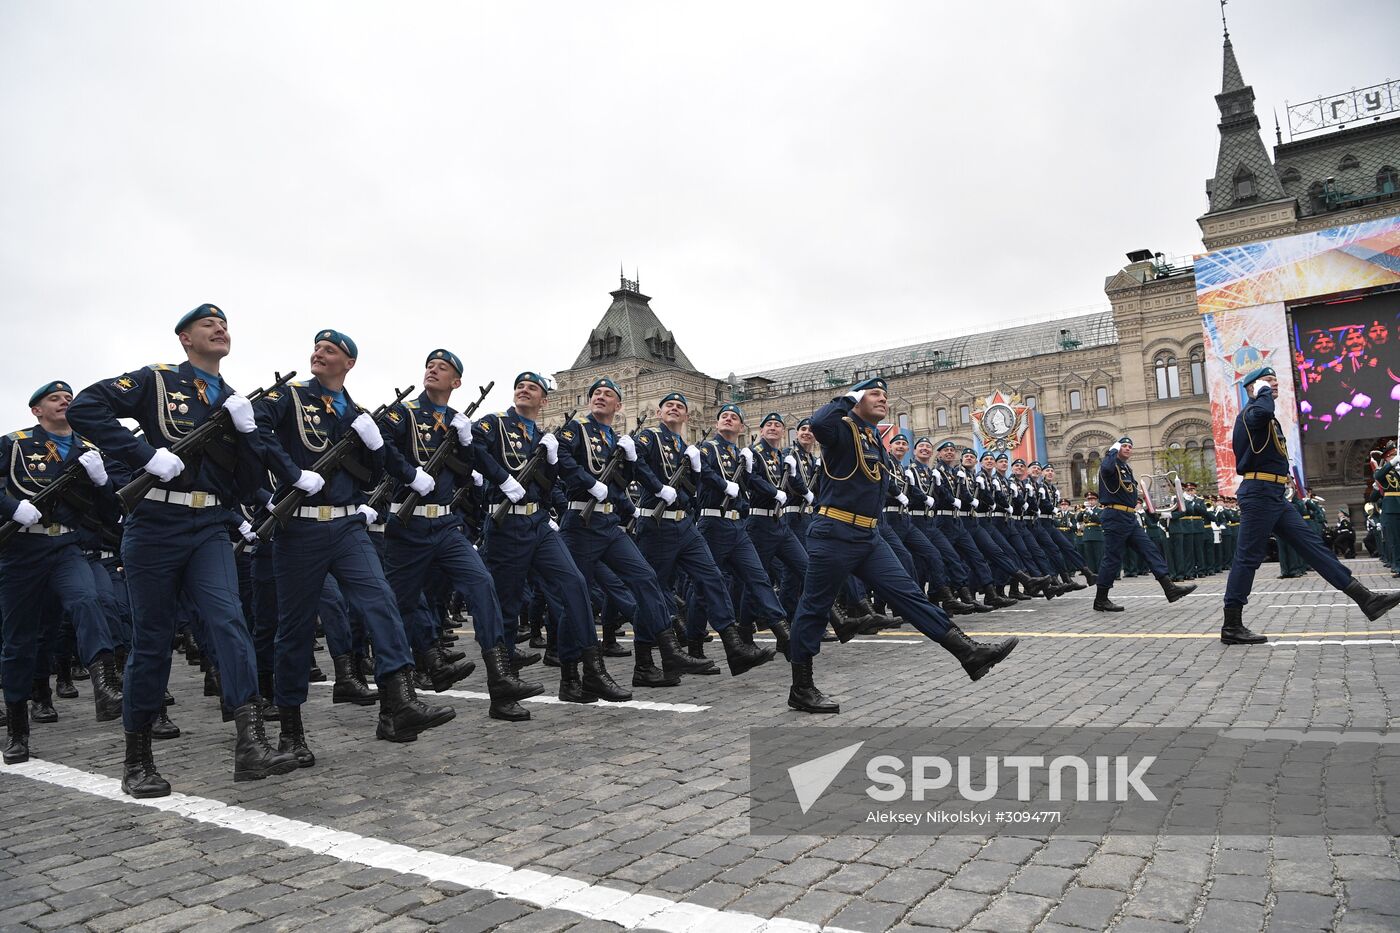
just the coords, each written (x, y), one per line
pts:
(1346, 365)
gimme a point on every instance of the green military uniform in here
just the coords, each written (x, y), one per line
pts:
(1196, 533)
(1093, 534)
(1178, 555)
(1132, 561)
(1156, 533)
(1388, 479)
(1290, 564)
(1229, 538)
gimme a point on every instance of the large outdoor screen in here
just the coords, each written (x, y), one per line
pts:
(1346, 363)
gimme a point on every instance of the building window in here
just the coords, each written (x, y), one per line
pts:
(1031, 402)
(1168, 378)
(1198, 372)
(942, 417)
(964, 415)
(1101, 396)
(1387, 180)
(1076, 400)
(1078, 478)
(1244, 184)
(1348, 161)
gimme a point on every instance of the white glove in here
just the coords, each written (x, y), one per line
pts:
(240, 411)
(422, 483)
(1259, 388)
(692, 453)
(791, 462)
(929, 503)
(731, 490)
(628, 447)
(371, 516)
(782, 498)
(92, 462)
(974, 502)
(957, 504)
(903, 499)
(26, 514)
(310, 482)
(1114, 448)
(463, 424)
(550, 443)
(598, 491)
(553, 525)
(667, 494)
(512, 488)
(164, 465)
(1395, 460)
(478, 479)
(810, 497)
(246, 530)
(369, 431)
(856, 396)
(747, 455)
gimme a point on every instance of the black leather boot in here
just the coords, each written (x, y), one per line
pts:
(63, 682)
(254, 758)
(1233, 631)
(501, 681)
(966, 595)
(1067, 578)
(140, 778)
(804, 694)
(977, 657)
(163, 728)
(1013, 592)
(571, 685)
(1090, 578)
(523, 659)
(995, 598)
(16, 732)
(1174, 591)
(696, 649)
(212, 685)
(402, 716)
(611, 648)
(193, 656)
(740, 654)
(849, 626)
(269, 709)
(106, 700)
(645, 673)
(365, 665)
(948, 602)
(674, 659)
(316, 675)
(597, 682)
(293, 737)
(1102, 604)
(447, 652)
(441, 673)
(350, 687)
(41, 702)
(1374, 605)
(782, 635)
(537, 638)
(75, 670)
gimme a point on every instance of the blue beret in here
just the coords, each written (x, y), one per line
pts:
(946, 444)
(604, 383)
(451, 359)
(875, 382)
(203, 311)
(771, 416)
(1258, 374)
(1002, 456)
(969, 450)
(49, 388)
(1017, 462)
(536, 378)
(923, 440)
(1126, 440)
(346, 345)
(804, 423)
(674, 397)
(731, 407)
(986, 454)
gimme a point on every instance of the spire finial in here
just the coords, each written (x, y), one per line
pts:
(1223, 23)
(1278, 130)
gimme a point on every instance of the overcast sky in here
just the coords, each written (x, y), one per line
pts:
(792, 180)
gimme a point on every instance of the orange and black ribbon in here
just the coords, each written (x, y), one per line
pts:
(329, 403)
(53, 454)
(199, 386)
(437, 422)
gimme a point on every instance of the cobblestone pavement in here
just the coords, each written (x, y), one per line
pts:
(637, 817)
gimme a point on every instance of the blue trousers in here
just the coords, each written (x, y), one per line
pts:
(523, 549)
(421, 546)
(735, 556)
(837, 550)
(1120, 532)
(112, 598)
(1263, 512)
(343, 624)
(999, 557)
(1044, 535)
(958, 574)
(343, 636)
(998, 529)
(782, 557)
(34, 569)
(956, 530)
(171, 552)
(1070, 558)
(303, 553)
(671, 546)
(604, 542)
(928, 562)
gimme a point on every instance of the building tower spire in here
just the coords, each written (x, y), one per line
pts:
(1244, 173)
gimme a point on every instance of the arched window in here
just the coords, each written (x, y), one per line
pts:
(1101, 396)
(942, 417)
(1168, 377)
(1198, 372)
(1387, 180)
(1244, 184)
(1076, 400)
(1076, 475)
(1031, 402)
(1290, 176)
(964, 414)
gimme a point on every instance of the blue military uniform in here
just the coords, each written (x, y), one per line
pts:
(782, 557)
(1118, 496)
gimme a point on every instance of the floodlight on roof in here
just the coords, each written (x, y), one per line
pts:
(1140, 255)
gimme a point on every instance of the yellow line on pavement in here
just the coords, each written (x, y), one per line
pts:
(977, 633)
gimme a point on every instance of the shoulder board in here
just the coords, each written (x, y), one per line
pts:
(712, 443)
(88, 444)
(300, 383)
(410, 403)
(164, 367)
(17, 435)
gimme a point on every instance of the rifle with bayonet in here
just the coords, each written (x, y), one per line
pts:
(615, 461)
(524, 478)
(444, 454)
(680, 477)
(337, 457)
(191, 445)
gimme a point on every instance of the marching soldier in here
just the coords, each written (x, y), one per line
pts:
(176, 539)
(782, 557)
(844, 539)
(928, 487)
(927, 566)
(1261, 458)
(1055, 536)
(328, 535)
(1119, 490)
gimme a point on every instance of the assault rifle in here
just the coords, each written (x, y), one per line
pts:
(681, 475)
(51, 495)
(440, 457)
(615, 461)
(527, 475)
(212, 428)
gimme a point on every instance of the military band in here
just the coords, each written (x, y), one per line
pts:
(245, 528)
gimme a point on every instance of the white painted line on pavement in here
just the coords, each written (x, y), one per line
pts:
(1344, 642)
(555, 701)
(593, 901)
